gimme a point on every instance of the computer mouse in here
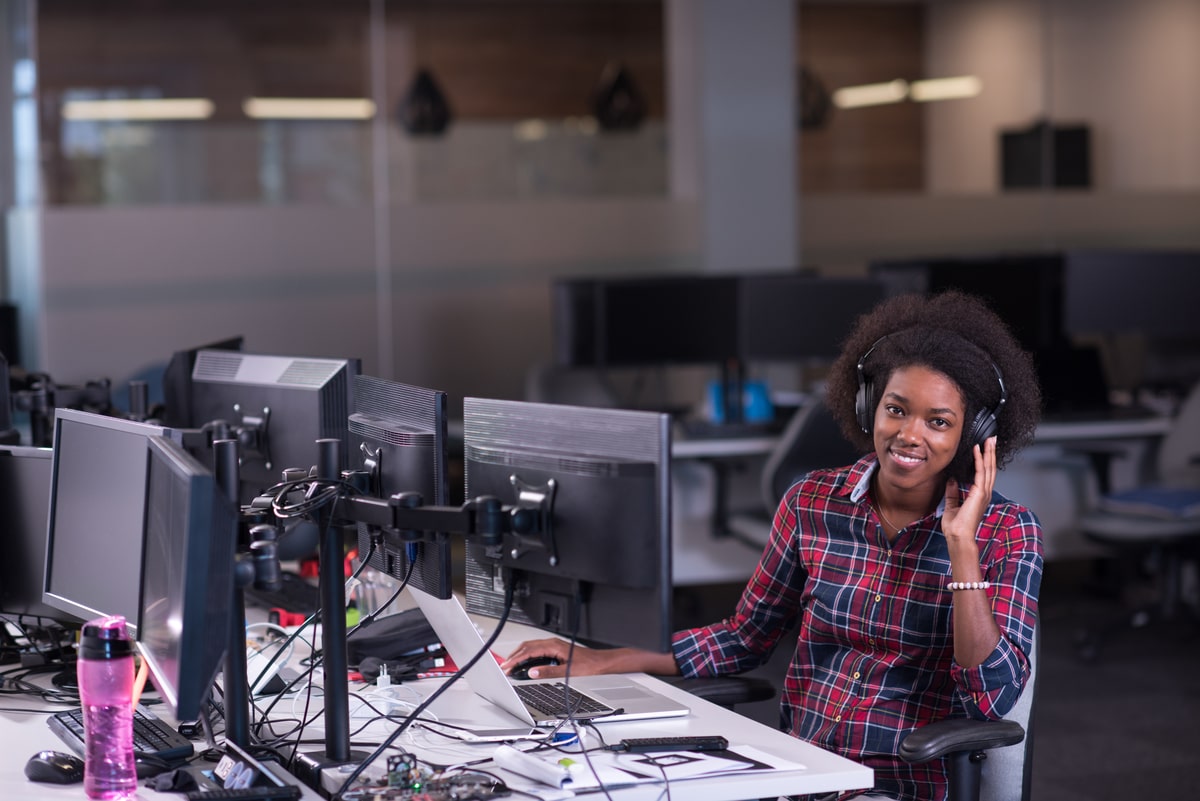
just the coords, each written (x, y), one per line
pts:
(148, 766)
(520, 670)
(54, 767)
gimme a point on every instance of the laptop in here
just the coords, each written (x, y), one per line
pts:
(606, 698)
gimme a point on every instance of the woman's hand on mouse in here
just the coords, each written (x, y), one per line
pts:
(587, 661)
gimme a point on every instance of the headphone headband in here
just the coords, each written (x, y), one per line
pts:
(982, 427)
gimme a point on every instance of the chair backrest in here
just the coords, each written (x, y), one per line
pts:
(1179, 452)
(1007, 773)
(811, 440)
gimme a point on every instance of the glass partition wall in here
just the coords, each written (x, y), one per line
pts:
(551, 133)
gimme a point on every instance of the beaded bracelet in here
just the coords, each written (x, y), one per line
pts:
(968, 585)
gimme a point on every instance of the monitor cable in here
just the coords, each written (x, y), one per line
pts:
(314, 663)
(485, 651)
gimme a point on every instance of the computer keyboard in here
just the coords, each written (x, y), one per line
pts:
(552, 699)
(152, 736)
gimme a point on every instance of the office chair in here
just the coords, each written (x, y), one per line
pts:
(726, 691)
(1157, 523)
(811, 440)
(984, 761)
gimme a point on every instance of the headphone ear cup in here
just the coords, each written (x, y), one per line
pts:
(864, 408)
(982, 427)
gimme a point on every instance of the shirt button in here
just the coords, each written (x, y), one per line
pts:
(878, 598)
(857, 675)
(838, 719)
(871, 642)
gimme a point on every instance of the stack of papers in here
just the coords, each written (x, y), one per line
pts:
(612, 770)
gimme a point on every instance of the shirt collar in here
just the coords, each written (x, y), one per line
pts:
(858, 483)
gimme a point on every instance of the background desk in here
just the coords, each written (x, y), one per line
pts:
(1069, 464)
(707, 473)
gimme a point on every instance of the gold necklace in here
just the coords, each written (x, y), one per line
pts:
(882, 516)
(879, 507)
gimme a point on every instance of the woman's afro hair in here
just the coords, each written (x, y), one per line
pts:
(957, 335)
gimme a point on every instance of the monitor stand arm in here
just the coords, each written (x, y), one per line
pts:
(405, 518)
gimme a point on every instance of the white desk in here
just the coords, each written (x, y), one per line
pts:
(708, 473)
(823, 772)
(24, 734)
(722, 448)
(21, 735)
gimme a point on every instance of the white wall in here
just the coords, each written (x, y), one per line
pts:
(124, 288)
(1126, 69)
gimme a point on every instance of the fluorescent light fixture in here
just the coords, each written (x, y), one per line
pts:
(150, 109)
(871, 94)
(309, 108)
(956, 88)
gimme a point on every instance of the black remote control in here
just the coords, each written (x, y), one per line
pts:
(644, 745)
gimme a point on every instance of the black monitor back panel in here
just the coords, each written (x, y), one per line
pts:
(24, 508)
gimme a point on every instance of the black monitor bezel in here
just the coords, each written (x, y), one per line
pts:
(111, 564)
(205, 584)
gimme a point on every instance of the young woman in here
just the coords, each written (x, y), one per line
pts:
(914, 583)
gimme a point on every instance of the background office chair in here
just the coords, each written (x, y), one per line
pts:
(811, 440)
(1156, 524)
(989, 760)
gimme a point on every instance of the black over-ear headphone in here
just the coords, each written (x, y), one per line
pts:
(982, 427)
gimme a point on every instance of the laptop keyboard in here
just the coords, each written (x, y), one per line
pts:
(152, 736)
(552, 699)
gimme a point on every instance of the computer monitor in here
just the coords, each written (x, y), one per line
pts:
(610, 468)
(398, 439)
(96, 514)
(24, 508)
(787, 317)
(187, 583)
(277, 407)
(1147, 292)
(177, 381)
(1025, 289)
(9, 435)
(645, 322)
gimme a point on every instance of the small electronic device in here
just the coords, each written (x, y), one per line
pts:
(239, 775)
(646, 745)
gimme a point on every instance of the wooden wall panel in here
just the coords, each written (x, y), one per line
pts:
(867, 149)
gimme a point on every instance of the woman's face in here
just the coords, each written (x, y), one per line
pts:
(918, 424)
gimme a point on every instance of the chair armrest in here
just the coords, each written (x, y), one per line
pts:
(726, 691)
(958, 734)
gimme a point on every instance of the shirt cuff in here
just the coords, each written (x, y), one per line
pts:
(1002, 670)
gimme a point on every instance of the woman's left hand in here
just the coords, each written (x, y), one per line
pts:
(961, 518)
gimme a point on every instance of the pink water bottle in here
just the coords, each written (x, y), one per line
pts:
(106, 671)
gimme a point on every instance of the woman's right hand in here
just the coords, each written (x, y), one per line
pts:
(587, 661)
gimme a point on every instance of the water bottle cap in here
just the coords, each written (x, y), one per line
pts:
(105, 638)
